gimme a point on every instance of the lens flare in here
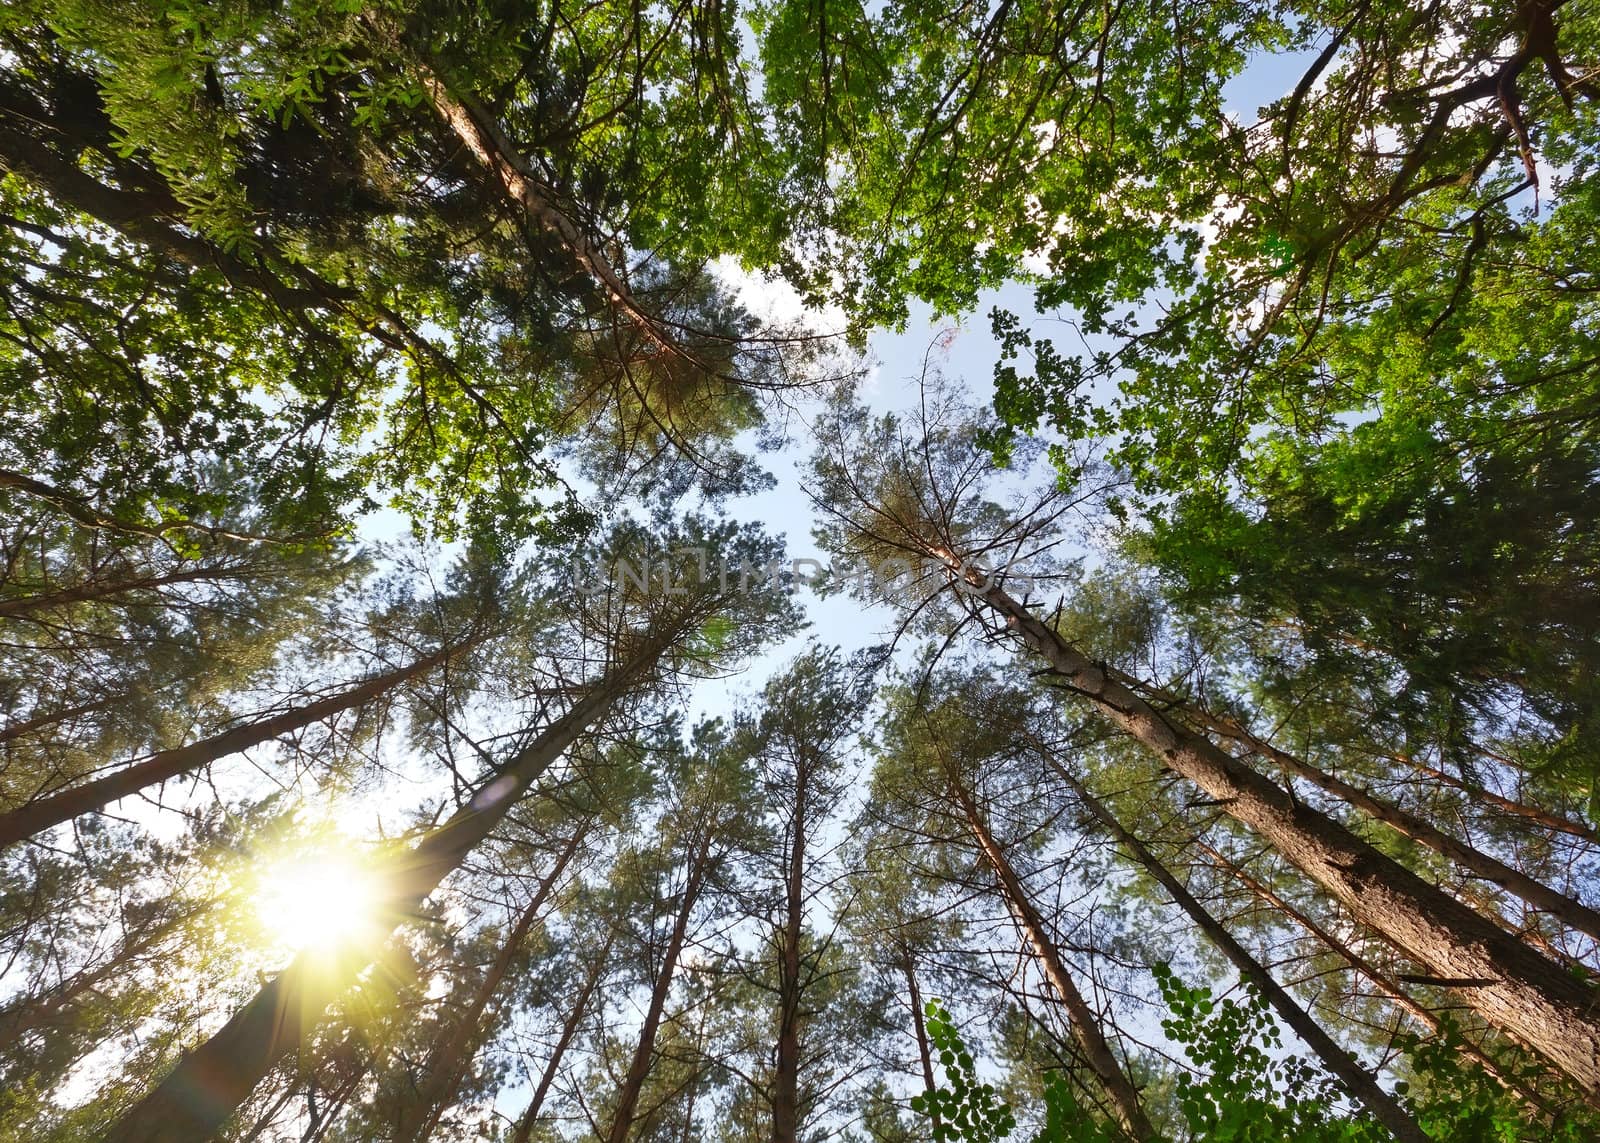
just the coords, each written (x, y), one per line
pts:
(317, 902)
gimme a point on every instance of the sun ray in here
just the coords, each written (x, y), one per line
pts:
(316, 901)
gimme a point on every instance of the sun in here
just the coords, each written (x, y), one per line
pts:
(317, 901)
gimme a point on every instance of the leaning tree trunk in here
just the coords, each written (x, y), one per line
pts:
(449, 1057)
(39, 722)
(1504, 980)
(1507, 805)
(1230, 729)
(1084, 1021)
(28, 1013)
(786, 1074)
(37, 816)
(569, 1030)
(1357, 1080)
(25, 605)
(209, 1083)
(644, 1049)
(919, 1025)
(1386, 985)
(481, 136)
(1574, 914)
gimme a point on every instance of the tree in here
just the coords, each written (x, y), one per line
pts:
(1487, 644)
(1355, 1078)
(797, 980)
(915, 497)
(946, 784)
(310, 187)
(52, 808)
(674, 882)
(234, 1059)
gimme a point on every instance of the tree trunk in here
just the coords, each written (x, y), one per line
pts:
(644, 1050)
(1574, 914)
(1385, 984)
(15, 730)
(37, 816)
(786, 1075)
(919, 1025)
(209, 1083)
(1228, 728)
(25, 1014)
(1357, 1080)
(87, 515)
(1085, 1022)
(552, 1067)
(1544, 817)
(24, 605)
(448, 1059)
(1504, 980)
(30, 144)
(475, 126)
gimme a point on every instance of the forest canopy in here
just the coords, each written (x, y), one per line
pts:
(489, 650)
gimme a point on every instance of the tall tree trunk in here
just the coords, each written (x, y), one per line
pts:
(1357, 1080)
(1544, 817)
(569, 1029)
(1084, 1021)
(475, 126)
(919, 1026)
(644, 1049)
(15, 730)
(1387, 985)
(52, 810)
(210, 1082)
(786, 1075)
(1574, 914)
(44, 148)
(1504, 980)
(1232, 730)
(24, 605)
(449, 1057)
(24, 1014)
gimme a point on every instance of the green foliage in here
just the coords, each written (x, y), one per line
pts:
(1248, 1090)
(1244, 1088)
(966, 1109)
(1468, 580)
(973, 1112)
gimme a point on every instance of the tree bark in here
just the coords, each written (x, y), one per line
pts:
(1385, 984)
(1084, 1021)
(1504, 980)
(1357, 1080)
(552, 1067)
(644, 1049)
(142, 215)
(37, 816)
(90, 517)
(786, 1074)
(209, 1083)
(1570, 912)
(448, 1059)
(1231, 730)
